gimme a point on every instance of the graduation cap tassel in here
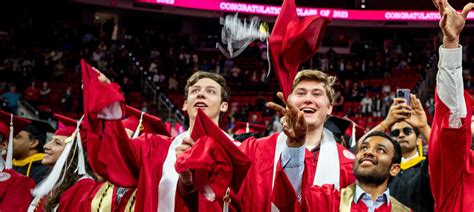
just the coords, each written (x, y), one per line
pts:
(57, 175)
(81, 164)
(268, 59)
(137, 131)
(50, 181)
(8, 163)
(353, 136)
(227, 200)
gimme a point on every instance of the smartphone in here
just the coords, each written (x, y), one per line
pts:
(405, 94)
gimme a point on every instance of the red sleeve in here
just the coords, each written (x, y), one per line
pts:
(79, 196)
(317, 198)
(284, 196)
(249, 147)
(16, 194)
(121, 158)
(107, 158)
(322, 198)
(448, 149)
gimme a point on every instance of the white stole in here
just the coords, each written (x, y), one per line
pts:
(326, 173)
(169, 177)
(328, 159)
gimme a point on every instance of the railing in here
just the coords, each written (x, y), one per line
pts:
(158, 97)
(172, 111)
(27, 111)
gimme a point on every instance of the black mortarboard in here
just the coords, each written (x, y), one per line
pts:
(38, 129)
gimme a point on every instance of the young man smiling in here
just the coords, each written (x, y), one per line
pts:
(307, 151)
(408, 125)
(377, 161)
(147, 162)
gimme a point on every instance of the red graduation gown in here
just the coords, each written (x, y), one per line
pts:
(79, 196)
(451, 160)
(256, 191)
(322, 198)
(15, 191)
(131, 163)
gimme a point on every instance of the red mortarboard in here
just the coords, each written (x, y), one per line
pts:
(294, 41)
(66, 125)
(245, 127)
(150, 124)
(214, 156)
(98, 95)
(18, 124)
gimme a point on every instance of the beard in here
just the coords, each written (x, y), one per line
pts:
(372, 178)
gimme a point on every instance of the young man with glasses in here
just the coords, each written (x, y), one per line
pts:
(407, 124)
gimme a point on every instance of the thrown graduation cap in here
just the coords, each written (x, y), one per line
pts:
(293, 41)
(139, 121)
(239, 34)
(214, 155)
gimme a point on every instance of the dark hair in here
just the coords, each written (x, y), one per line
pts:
(41, 142)
(2, 138)
(70, 177)
(225, 91)
(397, 156)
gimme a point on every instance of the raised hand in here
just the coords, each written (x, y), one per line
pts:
(399, 110)
(452, 22)
(102, 78)
(418, 116)
(294, 124)
(185, 177)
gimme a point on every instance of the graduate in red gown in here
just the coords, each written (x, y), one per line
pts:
(70, 186)
(311, 95)
(377, 161)
(450, 156)
(147, 162)
(15, 188)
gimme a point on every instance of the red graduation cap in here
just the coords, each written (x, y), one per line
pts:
(98, 95)
(214, 158)
(6, 120)
(66, 125)
(150, 124)
(294, 41)
(18, 124)
(245, 127)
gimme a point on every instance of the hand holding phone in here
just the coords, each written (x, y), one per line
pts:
(405, 94)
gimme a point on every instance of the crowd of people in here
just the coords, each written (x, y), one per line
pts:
(114, 157)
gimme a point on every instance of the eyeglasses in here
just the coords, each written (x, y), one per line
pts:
(406, 131)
